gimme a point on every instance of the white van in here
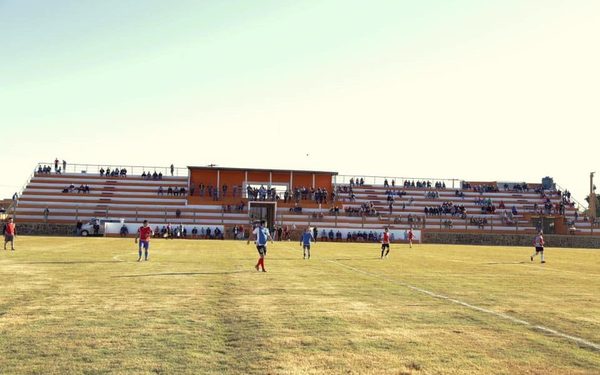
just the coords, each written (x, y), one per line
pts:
(95, 226)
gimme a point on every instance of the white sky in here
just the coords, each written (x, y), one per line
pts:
(506, 91)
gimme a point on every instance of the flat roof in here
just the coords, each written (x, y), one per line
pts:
(261, 170)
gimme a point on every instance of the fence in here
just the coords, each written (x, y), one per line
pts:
(132, 170)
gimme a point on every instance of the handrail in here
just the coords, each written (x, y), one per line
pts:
(580, 207)
(451, 183)
(131, 169)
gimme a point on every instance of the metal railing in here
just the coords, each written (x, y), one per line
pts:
(579, 206)
(451, 183)
(132, 170)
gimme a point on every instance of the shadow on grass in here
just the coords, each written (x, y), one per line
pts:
(494, 263)
(183, 274)
(75, 262)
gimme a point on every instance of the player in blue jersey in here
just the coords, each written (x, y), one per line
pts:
(261, 236)
(307, 237)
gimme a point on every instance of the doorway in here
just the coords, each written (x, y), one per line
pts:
(258, 211)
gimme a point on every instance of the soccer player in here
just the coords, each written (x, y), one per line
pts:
(144, 234)
(261, 235)
(410, 235)
(538, 243)
(385, 243)
(307, 237)
(10, 232)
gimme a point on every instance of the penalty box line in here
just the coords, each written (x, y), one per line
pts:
(578, 340)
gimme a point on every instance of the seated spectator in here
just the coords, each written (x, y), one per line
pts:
(101, 172)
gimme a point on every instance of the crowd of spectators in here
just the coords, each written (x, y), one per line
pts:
(354, 236)
(346, 192)
(261, 193)
(179, 231)
(357, 181)
(365, 209)
(233, 207)
(151, 176)
(424, 184)
(432, 195)
(116, 172)
(174, 191)
(480, 222)
(80, 189)
(45, 169)
(446, 208)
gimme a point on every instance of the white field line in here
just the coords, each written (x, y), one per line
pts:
(578, 340)
(118, 257)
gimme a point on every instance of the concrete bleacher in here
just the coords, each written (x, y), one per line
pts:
(134, 199)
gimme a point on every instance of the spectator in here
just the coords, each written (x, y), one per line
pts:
(56, 164)
(64, 167)
(46, 214)
(172, 170)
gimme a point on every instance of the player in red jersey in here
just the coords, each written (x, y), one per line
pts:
(10, 232)
(410, 235)
(144, 234)
(385, 243)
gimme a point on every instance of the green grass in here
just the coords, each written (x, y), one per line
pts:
(72, 305)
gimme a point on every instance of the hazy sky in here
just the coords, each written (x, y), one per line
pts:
(477, 90)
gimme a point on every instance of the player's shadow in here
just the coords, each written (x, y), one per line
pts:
(75, 262)
(496, 263)
(180, 274)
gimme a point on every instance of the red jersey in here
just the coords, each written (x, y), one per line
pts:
(410, 235)
(9, 229)
(386, 238)
(145, 233)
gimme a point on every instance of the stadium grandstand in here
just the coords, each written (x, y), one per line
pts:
(228, 198)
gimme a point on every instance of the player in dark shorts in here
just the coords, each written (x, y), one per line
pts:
(10, 232)
(307, 237)
(385, 243)
(144, 234)
(261, 235)
(538, 243)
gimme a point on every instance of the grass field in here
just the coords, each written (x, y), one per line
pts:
(72, 305)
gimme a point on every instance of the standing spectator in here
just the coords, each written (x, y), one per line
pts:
(10, 232)
(55, 164)
(46, 214)
(64, 166)
(315, 233)
(172, 169)
(15, 197)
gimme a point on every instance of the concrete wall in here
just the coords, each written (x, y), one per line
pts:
(510, 239)
(42, 229)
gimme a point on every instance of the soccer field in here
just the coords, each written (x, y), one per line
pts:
(74, 305)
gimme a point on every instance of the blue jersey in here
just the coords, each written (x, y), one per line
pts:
(306, 238)
(262, 234)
